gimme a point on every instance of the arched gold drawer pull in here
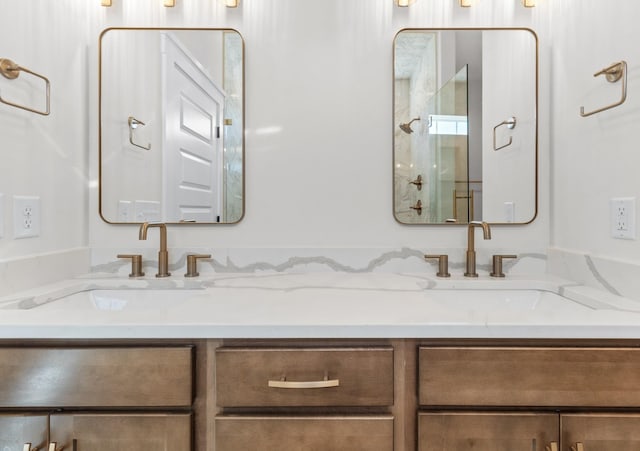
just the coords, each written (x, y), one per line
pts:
(577, 447)
(553, 446)
(27, 447)
(325, 383)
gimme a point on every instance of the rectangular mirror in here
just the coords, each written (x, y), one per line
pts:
(171, 131)
(465, 144)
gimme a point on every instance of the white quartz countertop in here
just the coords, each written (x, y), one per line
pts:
(317, 305)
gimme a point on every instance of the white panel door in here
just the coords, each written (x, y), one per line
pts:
(192, 147)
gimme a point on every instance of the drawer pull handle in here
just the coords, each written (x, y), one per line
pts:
(553, 446)
(53, 446)
(27, 447)
(325, 383)
(577, 447)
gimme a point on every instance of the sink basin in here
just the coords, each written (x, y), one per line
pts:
(502, 300)
(114, 300)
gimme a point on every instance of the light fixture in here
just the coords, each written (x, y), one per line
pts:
(465, 3)
(231, 3)
(403, 3)
(105, 2)
(169, 3)
(528, 3)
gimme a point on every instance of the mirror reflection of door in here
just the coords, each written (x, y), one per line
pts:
(192, 149)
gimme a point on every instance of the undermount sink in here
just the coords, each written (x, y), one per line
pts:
(502, 300)
(114, 300)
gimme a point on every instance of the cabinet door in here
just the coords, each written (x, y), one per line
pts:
(486, 431)
(18, 429)
(296, 433)
(600, 432)
(122, 432)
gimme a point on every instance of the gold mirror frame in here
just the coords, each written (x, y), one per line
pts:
(508, 123)
(134, 124)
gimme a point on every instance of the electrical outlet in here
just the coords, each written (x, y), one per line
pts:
(26, 216)
(1, 215)
(147, 210)
(623, 218)
(509, 212)
(125, 211)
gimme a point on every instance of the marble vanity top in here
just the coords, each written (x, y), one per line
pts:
(317, 305)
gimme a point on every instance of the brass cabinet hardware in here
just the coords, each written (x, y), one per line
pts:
(163, 254)
(511, 124)
(324, 383)
(443, 264)
(612, 73)
(53, 446)
(553, 446)
(417, 182)
(11, 71)
(133, 124)
(417, 207)
(497, 265)
(136, 264)
(192, 264)
(578, 446)
(27, 447)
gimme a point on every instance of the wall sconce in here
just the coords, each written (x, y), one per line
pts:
(466, 3)
(105, 2)
(528, 3)
(231, 3)
(403, 3)
(169, 3)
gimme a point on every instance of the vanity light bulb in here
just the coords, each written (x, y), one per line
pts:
(529, 3)
(169, 3)
(105, 2)
(465, 3)
(231, 3)
(403, 3)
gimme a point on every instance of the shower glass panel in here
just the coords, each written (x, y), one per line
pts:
(446, 154)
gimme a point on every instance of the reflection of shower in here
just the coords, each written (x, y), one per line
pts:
(407, 127)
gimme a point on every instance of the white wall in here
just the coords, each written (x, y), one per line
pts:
(318, 123)
(595, 158)
(45, 156)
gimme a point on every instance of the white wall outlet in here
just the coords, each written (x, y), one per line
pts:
(509, 212)
(125, 211)
(26, 216)
(147, 211)
(1, 215)
(623, 218)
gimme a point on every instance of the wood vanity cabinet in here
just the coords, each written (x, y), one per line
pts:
(509, 398)
(105, 398)
(291, 399)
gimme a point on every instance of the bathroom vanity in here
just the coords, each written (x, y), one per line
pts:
(256, 362)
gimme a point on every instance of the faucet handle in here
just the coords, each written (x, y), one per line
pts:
(192, 264)
(497, 265)
(443, 264)
(136, 264)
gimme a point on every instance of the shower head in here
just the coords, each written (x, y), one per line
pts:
(407, 127)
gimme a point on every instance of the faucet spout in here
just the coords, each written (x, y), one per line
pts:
(163, 254)
(471, 251)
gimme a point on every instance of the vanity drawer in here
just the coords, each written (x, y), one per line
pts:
(289, 433)
(96, 377)
(279, 377)
(505, 376)
(486, 431)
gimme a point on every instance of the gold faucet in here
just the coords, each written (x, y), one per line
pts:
(471, 251)
(163, 254)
